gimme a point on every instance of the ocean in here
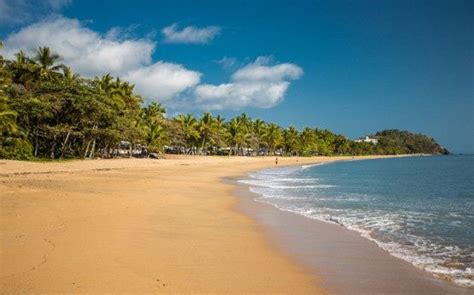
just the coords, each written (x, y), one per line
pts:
(420, 209)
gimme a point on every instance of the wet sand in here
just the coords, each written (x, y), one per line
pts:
(345, 262)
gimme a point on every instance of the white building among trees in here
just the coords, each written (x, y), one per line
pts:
(368, 139)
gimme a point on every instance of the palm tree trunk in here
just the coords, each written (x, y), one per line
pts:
(36, 142)
(36, 146)
(63, 147)
(69, 145)
(87, 148)
(53, 146)
(203, 143)
(91, 155)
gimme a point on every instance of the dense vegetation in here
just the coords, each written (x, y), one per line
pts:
(47, 111)
(404, 142)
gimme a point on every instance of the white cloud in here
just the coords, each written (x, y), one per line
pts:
(86, 51)
(19, 11)
(227, 62)
(236, 96)
(91, 54)
(190, 34)
(163, 80)
(259, 70)
(255, 85)
(258, 84)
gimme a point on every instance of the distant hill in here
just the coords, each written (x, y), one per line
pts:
(396, 141)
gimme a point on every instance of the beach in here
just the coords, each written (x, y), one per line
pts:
(137, 226)
(141, 226)
(221, 147)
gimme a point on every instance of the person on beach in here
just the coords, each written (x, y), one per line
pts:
(276, 161)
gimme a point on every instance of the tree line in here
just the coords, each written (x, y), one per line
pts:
(48, 111)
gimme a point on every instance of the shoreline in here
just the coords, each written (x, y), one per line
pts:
(137, 226)
(141, 226)
(351, 264)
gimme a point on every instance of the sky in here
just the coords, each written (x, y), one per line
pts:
(354, 67)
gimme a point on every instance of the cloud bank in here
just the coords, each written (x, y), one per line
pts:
(163, 80)
(190, 34)
(91, 54)
(257, 84)
(85, 50)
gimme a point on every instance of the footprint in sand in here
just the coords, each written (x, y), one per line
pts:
(160, 284)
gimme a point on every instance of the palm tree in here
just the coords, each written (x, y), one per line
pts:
(110, 91)
(105, 83)
(47, 62)
(69, 75)
(221, 131)
(7, 117)
(23, 70)
(188, 125)
(341, 145)
(154, 113)
(21, 58)
(13, 142)
(307, 141)
(290, 140)
(156, 137)
(125, 91)
(206, 127)
(272, 137)
(244, 120)
(258, 128)
(238, 133)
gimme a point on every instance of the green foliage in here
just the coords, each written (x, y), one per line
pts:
(13, 143)
(156, 134)
(403, 142)
(47, 111)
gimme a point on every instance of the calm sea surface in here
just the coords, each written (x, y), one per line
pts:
(420, 209)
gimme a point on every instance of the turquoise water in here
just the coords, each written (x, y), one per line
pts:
(420, 209)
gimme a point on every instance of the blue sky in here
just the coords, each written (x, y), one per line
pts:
(353, 67)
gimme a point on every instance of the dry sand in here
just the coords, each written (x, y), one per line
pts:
(138, 226)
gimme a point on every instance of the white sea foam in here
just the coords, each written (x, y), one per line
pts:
(423, 254)
(278, 186)
(389, 231)
(298, 180)
(311, 165)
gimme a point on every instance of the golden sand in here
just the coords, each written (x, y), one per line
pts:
(137, 226)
